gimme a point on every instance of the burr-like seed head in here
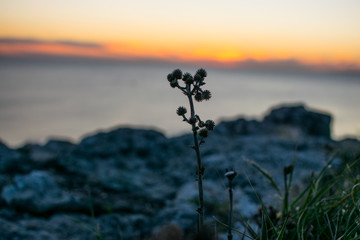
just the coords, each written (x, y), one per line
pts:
(181, 111)
(177, 73)
(203, 133)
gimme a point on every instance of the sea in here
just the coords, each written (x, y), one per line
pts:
(42, 100)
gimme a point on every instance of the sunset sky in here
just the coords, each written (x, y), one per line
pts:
(316, 33)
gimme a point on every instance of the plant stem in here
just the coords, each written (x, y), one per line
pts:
(200, 169)
(231, 209)
(286, 198)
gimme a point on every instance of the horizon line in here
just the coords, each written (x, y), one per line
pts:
(11, 47)
(273, 65)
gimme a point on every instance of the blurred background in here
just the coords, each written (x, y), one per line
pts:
(68, 68)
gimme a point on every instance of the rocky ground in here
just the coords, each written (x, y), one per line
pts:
(139, 184)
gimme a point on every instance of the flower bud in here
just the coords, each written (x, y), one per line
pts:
(202, 72)
(192, 120)
(187, 78)
(198, 78)
(230, 174)
(203, 133)
(288, 169)
(177, 73)
(174, 83)
(181, 111)
(210, 124)
(206, 95)
(170, 77)
(198, 97)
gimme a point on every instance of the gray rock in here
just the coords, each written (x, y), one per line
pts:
(9, 159)
(57, 227)
(239, 127)
(292, 121)
(309, 122)
(39, 193)
(122, 141)
(125, 183)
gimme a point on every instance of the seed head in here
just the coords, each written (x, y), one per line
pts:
(206, 95)
(181, 111)
(192, 120)
(201, 124)
(203, 133)
(170, 77)
(202, 72)
(210, 124)
(198, 78)
(198, 97)
(187, 78)
(174, 83)
(177, 73)
(230, 174)
(288, 169)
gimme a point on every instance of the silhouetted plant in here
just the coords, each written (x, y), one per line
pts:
(230, 175)
(191, 86)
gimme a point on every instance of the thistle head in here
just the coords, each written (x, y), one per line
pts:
(177, 74)
(206, 95)
(181, 111)
(187, 78)
(203, 133)
(174, 83)
(198, 78)
(192, 120)
(170, 77)
(202, 72)
(198, 96)
(210, 124)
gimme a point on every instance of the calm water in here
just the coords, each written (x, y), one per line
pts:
(38, 101)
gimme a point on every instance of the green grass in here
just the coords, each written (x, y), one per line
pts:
(329, 208)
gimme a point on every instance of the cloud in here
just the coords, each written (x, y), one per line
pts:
(31, 41)
(28, 47)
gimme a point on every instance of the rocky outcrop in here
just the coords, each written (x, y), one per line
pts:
(130, 183)
(294, 121)
(39, 193)
(308, 122)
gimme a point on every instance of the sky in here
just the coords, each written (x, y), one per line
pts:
(319, 33)
(295, 36)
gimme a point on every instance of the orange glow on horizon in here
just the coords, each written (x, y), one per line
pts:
(226, 56)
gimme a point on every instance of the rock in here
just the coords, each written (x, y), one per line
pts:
(7, 153)
(309, 122)
(76, 227)
(168, 231)
(46, 156)
(38, 154)
(239, 127)
(287, 121)
(121, 148)
(38, 193)
(122, 141)
(10, 160)
(13, 231)
(55, 228)
(59, 146)
(128, 183)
